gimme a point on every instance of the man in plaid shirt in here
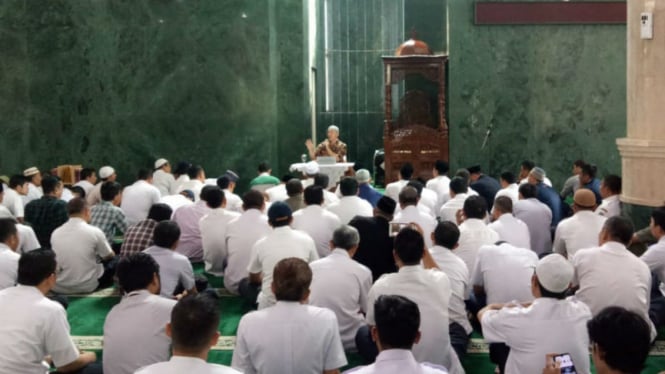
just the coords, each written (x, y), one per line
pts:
(48, 212)
(107, 215)
(139, 237)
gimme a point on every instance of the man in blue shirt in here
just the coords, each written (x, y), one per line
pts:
(365, 190)
(588, 180)
(547, 195)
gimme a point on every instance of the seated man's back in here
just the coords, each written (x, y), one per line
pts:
(504, 272)
(291, 336)
(139, 320)
(175, 269)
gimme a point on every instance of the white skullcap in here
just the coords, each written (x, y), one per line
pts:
(554, 273)
(30, 171)
(311, 168)
(106, 171)
(161, 162)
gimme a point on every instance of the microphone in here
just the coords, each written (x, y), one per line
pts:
(487, 135)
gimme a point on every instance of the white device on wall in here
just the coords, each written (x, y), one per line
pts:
(646, 25)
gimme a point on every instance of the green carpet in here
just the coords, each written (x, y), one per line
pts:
(86, 316)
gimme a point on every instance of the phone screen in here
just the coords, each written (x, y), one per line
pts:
(567, 366)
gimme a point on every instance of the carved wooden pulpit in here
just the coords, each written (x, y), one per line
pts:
(415, 129)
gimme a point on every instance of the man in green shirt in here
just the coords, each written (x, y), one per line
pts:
(264, 178)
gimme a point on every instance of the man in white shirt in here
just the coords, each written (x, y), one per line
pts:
(162, 178)
(427, 199)
(106, 174)
(180, 175)
(396, 332)
(440, 183)
(278, 193)
(341, 284)
(502, 275)
(509, 188)
(610, 190)
(187, 217)
(350, 205)
(654, 257)
(281, 243)
(8, 256)
(27, 239)
(12, 196)
(408, 201)
(445, 238)
(88, 180)
(197, 177)
(393, 189)
(33, 326)
(139, 197)
(537, 216)
(510, 229)
(466, 177)
(323, 181)
(174, 269)
(227, 183)
(425, 285)
(34, 177)
(213, 231)
(79, 247)
(139, 320)
(193, 330)
(291, 336)
(610, 275)
(184, 198)
(458, 194)
(241, 235)
(582, 229)
(317, 222)
(550, 324)
(474, 233)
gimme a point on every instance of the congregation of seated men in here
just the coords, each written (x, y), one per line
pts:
(401, 278)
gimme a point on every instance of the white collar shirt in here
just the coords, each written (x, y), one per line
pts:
(601, 284)
(341, 284)
(546, 181)
(439, 184)
(288, 338)
(412, 214)
(12, 200)
(350, 206)
(175, 201)
(277, 193)
(8, 266)
(95, 195)
(512, 192)
(139, 320)
(187, 218)
(32, 327)
(137, 200)
(79, 248)
(241, 235)
(421, 207)
(577, 232)
(319, 224)
(34, 193)
(505, 272)
(329, 198)
(397, 361)
(393, 189)
(213, 239)
(512, 230)
(474, 234)
(87, 186)
(654, 257)
(458, 275)
(233, 201)
(174, 269)
(182, 179)
(164, 182)
(610, 207)
(446, 196)
(283, 242)
(193, 185)
(448, 211)
(27, 239)
(182, 364)
(431, 290)
(538, 218)
(429, 198)
(563, 322)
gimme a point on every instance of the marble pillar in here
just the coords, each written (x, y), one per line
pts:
(643, 150)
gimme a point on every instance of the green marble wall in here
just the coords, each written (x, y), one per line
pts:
(124, 82)
(553, 93)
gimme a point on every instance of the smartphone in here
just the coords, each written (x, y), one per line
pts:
(567, 365)
(395, 227)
